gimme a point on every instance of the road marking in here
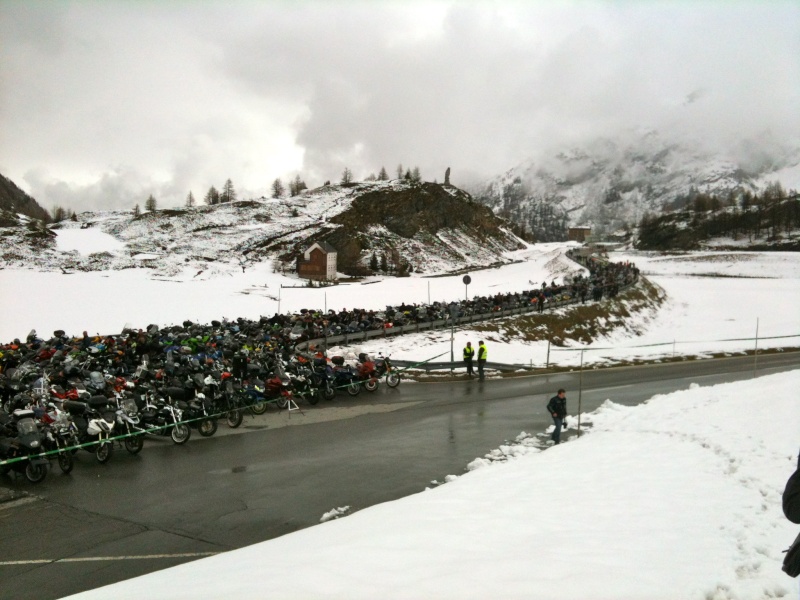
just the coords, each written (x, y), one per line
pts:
(17, 502)
(106, 558)
(616, 387)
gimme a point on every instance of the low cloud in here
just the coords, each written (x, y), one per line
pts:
(184, 96)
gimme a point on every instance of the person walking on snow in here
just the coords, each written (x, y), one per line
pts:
(482, 354)
(469, 354)
(558, 410)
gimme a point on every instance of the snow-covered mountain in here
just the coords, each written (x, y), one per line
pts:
(609, 184)
(429, 227)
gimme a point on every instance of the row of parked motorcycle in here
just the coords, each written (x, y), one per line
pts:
(96, 411)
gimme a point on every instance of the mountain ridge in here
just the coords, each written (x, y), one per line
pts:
(611, 184)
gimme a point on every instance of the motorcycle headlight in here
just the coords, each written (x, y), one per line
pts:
(34, 444)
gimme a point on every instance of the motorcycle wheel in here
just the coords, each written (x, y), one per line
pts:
(328, 392)
(181, 433)
(104, 452)
(281, 402)
(134, 444)
(354, 389)
(371, 384)
(314, 397)
(207, 428)
(234, 418)
(259, 408)
(392, 379)
(35, 473)
(65, 462)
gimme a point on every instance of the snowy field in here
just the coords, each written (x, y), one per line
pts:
(676, 498)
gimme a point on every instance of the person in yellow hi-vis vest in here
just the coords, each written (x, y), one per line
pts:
(482, 354)
(469, 354)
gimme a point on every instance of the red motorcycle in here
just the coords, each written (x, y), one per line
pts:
(366, 373)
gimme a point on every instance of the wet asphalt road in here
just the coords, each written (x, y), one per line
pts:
(281, 472)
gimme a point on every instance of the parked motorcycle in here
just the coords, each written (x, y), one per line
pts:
(94, 421)
(60, 434)
(223, 399)
(21, 439)
(128, 422)
(383, 367)
(159, 416)
(344, 377)
(366, 373)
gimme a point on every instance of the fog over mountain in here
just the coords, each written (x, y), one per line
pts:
(102, 104)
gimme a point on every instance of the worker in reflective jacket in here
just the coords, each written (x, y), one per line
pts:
(482, 354)
(469, 354)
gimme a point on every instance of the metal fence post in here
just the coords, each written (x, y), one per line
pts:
(580, 394)
(755, 355)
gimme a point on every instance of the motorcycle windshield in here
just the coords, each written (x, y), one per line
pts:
(26, 426)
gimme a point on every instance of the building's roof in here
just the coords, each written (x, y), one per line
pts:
(326, 247)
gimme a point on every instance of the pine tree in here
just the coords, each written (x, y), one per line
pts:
(277, 189)
(347, 176)
(373, 263)
(296, 186)
(58, 214)
(190, 200)
(228, 193)
(383, 175)
(400, 171)
(384, 265)
(136, 211)
(212, 196)
(150, 204)
(415, 176)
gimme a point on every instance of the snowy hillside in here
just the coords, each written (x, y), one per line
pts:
(432, 228)
(609, 184)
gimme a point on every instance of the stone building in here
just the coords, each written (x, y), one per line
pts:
(318, 262)
(579, 234)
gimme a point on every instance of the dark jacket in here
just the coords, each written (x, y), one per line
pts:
(557, 406)
(791, 496)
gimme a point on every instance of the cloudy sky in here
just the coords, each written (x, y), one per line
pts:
(103, 103)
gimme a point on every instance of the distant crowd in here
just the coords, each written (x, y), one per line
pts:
(218, 342)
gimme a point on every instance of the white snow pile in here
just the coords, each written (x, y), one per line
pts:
(677, 498)
(335, 513)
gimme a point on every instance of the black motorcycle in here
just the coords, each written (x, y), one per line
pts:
(21, 440)
(160, 416)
